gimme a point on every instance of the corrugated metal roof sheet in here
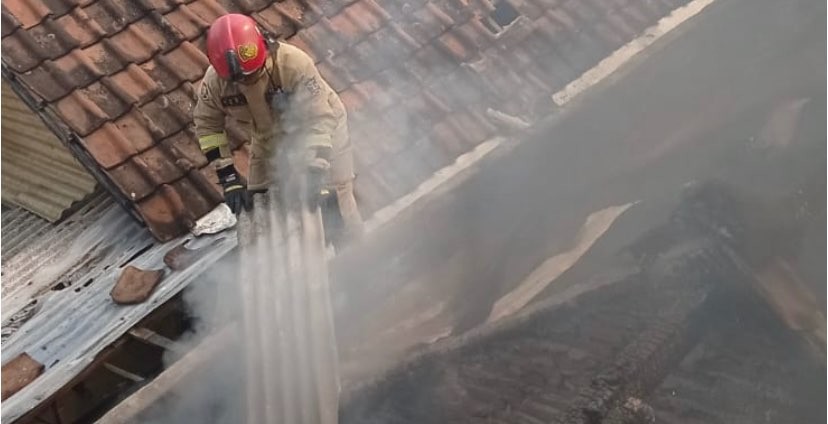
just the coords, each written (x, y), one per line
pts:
(56, 301)
(45, 260)
(20, 227)
(39, 173)
(284, 267)
(417, 78)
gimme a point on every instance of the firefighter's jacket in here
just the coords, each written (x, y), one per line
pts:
(289, 103)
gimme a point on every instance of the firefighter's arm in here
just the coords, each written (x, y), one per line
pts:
(311, 120)
(208, 118)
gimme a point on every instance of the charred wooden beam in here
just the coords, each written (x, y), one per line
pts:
(102, 357)
(151, 337)
(123, 373)
(197, 358)
(158, 315)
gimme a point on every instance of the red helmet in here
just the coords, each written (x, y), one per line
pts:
(235, 46)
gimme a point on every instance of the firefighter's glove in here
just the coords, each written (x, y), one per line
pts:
(317, 173)
(235, 191)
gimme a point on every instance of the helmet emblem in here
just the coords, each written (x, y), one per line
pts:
(247, 52)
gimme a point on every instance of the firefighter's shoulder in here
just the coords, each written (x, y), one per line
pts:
(210, 83)
(292, 56)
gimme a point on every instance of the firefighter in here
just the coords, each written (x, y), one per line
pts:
(275, 93)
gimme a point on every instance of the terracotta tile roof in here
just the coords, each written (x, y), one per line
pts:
(417, 78)
(120, 75)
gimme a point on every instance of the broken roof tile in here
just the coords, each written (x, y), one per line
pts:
(135, 285)
(180, 257)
